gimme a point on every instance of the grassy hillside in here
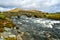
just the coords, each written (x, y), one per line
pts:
(31, 13)
(53, 16)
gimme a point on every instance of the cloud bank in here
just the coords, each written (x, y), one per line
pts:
(43, 5)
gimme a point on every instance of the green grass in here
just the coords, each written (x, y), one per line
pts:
(2, 16)
(32, 14)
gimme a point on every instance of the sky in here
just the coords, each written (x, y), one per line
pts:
(41, 5)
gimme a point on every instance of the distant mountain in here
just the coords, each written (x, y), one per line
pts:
(15, 10)
(18, 9)
(32, 13)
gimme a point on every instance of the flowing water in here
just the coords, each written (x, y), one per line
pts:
(38, 27)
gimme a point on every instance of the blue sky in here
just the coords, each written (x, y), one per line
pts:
(43, 5)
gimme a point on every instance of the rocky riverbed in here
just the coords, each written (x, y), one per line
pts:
(37, 28)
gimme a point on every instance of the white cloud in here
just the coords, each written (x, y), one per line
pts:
(31, 4)
(4, 9)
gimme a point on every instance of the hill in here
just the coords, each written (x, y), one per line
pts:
(19, 12)
(31, 13)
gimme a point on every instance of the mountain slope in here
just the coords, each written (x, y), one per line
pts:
(31, 13)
